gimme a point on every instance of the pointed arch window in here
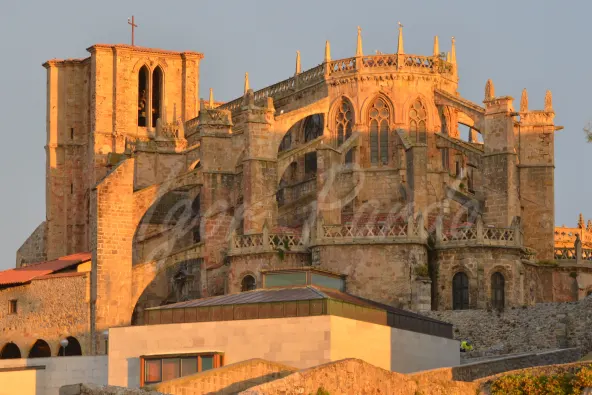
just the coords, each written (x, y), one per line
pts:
(344, 121)
(156, 94)
(418, 122)
(498, 290)
(379, 131)
(143, 96)
(460, 291)
(313, 127)
(150, 96)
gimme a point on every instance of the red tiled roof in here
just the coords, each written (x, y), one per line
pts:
(25, 274)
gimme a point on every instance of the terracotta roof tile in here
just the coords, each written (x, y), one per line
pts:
(27, 273)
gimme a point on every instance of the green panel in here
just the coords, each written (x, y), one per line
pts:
(284, 279)
(327, 281)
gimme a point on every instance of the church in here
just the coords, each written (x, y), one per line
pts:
(351, 176)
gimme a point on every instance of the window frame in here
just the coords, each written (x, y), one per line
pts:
(217, 361)
(379, 135)
(13, 306)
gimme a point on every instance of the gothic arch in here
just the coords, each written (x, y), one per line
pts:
(431, 110)
(508, 281)
(367, 105)
(334, 110)
(248, 281)
(138, 65)
(296, 127)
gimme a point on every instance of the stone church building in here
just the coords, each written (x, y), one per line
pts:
(355, 167)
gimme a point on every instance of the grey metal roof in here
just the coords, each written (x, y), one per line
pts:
(255, 296)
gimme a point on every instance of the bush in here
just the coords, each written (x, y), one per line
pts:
(555, 384)
(322, 391)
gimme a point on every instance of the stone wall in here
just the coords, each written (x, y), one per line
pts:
(380, 272)
(544, 326)
(226, 380)
(33, 249)
(354, 376)
(479, 264)
(93, 389)
(50, 308)
(52, 373)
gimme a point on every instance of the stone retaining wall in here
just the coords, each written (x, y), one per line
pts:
(544, 326)
(91, 389)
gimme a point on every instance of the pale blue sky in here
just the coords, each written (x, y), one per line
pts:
(536, 45)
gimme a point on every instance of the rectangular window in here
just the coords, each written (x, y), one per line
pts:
(327, 281)
(310, 163)
(12, 307)
(158, 369)
(284, 279)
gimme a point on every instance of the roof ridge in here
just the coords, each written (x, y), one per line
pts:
(318, 291)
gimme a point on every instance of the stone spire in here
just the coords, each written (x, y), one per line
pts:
(489, 90)
(581, 221)
(211, 98)
(298, 66)
(436, 46)
(453, 52)
(589, 226)
(327, 51)
(400, 47)
(548, 101)
(359, 51)
(524, 101)
(247, 82)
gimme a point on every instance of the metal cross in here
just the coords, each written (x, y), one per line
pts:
(133, 24)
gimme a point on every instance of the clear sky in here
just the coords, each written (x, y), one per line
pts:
(536, 45)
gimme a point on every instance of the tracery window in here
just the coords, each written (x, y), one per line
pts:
(313, 127)
(460, 291)
(497, 290)
(417, 122)
(344, 121)
(379, 130)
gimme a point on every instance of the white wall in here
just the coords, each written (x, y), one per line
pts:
(58, 371)
(413, 352)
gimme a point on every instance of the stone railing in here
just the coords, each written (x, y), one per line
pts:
(576, 253)
(412, 231)
(267, 242)
(296, 191)
(477, 234)
(323, 71)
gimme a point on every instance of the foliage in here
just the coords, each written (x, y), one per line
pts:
(422, 270)
(322, 391)
(573, 274)
(558, 384)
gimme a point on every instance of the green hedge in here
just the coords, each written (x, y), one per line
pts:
(568, 383)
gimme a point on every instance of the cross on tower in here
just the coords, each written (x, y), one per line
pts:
(133, 24)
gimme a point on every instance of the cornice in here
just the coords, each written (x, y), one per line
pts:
(125, 47)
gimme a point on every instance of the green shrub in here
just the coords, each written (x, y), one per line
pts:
(554, 384)
(322, 391)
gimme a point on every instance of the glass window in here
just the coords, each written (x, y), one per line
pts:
(207, 363)
(285, 279)
(327, 281)
(188, 366)
(170, 369)
(379, 125)
(152, 368)
(157, 370)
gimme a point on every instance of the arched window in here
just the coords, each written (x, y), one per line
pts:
(379, 130)
(157, 88)
(417, 122)
(286, 143)
(248, 283)
(344, 121)
(10, 351)
(460, 291)
(40, 350)
(444, 130)
(143, 97)
(497, 290)
(73, 348)
(313, 127)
